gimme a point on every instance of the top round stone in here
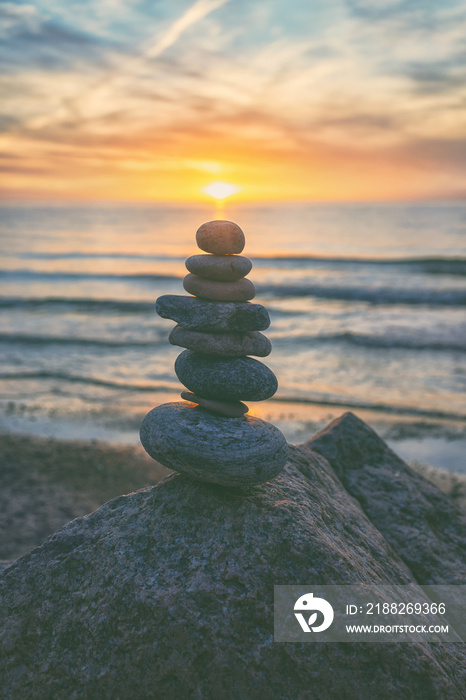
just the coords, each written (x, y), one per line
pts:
(220, 238)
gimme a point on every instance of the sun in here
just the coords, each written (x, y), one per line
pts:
(220, 190)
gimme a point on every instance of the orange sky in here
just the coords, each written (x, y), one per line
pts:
(346, 102)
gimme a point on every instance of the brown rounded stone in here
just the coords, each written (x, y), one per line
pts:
(224, 268)
(220, 238)
(232, 409)
(221, 344)
(241, 290)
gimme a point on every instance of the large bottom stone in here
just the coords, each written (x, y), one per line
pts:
(229, 451)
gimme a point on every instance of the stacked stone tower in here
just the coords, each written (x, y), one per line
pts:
(210, 435)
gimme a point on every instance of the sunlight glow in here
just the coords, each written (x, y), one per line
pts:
(220, 190)
(261, 94)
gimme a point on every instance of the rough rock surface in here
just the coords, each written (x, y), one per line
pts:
(226, 268)
(201, 314)
(421, 523)
(241, 290)
(220, 237)
(225, 378)
(168, 592)
(234, 409)
(222, 344)
(230, 451)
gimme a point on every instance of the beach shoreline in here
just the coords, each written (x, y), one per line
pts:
(438, 441)
(46, 482)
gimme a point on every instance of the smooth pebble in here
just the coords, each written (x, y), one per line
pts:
(225, 378)
(222, 344)
(241, 290)
(224, 268)
(220, 237)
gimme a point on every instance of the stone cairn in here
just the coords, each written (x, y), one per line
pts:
(209, 435)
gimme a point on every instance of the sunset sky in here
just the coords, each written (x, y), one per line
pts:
(284, 99)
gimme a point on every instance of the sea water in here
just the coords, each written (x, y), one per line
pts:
(367, 306)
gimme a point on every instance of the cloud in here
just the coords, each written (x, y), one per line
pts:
(17, 17)
(8, 122)
(375, 10)
(23, 169)
(193, 14)
(29, 40)
(439, 153)
(74, 106)
(437, 78)
(360, 79)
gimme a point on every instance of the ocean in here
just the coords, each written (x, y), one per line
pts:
(367, 307)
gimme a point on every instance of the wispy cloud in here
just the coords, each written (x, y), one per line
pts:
(127, 65)
(29, 39)
(193, 14)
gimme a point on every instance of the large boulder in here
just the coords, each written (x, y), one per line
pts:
(168, 593)
(424, 526)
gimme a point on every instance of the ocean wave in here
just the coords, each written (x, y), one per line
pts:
(25, 339)
(80, 305)
(93, 381)
(388, 296)
(443, 344)
(427, 265)
(376, 407)
(363, 340)
(85, 276)
(371, 295)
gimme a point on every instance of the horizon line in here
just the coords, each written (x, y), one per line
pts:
(45, 201)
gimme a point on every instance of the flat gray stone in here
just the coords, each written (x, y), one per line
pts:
(226, 378)
(201, 314)
(228, 451)
(222, 344)
(225, 268)
(241, 290)
(232, 409)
